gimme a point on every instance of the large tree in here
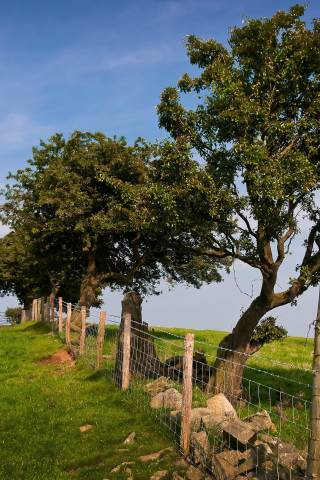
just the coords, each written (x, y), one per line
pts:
(257, 129)
(95, 201)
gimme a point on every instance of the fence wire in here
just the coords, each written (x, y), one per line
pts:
(245, 421)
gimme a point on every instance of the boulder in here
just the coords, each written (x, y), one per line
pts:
(221, 468)
(159, 475)
(157, 401)
(215, 421)
(260, 421)
(172, 399)
(159, 385)
(196, 415)
(220, 404)
(239, 435)
(181, 462)
(172, 418)
(201, 447)
(194, 474)
(176, 476)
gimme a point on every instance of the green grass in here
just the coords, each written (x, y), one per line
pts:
(41, 415)
(42, 407)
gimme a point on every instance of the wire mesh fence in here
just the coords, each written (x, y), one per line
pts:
(231, 414)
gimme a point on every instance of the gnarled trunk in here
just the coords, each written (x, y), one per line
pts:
(235, 349)
(143, 357)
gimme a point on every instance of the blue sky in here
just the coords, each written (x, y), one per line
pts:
(101, 66)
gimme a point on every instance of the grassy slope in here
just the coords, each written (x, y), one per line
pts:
(40, 417)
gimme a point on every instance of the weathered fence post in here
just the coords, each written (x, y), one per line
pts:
(60, 315)
(102, 322)
(39, 310)
(68, 323)
(187, 392)
(42, 309)
(126, 351)
(23, 316)
(33, 311)
(51, 307)
(83, 330)
(313, 462)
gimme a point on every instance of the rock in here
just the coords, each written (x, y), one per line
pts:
(155, 456)
(239, 435)
(293, 460)
(201, 447)
(279, 474)
(175, 476)
(219, 404)
(172, 418)
(85, 427)
(181, 462)
(285, 399)
(254, 458)
(259, 421)
(196, 415)
(233, 457)
(269, 439)
(300, 394)
(297, 405)
(159, 385)
(280, 413)
(159, 475)
(194, 474)
(118, 468)
(130, 439)
(222, 468)
(172, 399)
(157, 401)
(215, 421)
(128, 470)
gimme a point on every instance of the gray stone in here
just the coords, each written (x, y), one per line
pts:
(201, 447)
(260, 421)
(172, 399)
(215, 421)
(155, 456)
(159, 475)
(176, 476)
(159, 385)
(220, 404)
(238, 435)
(194, 474)
(118, 468)
(157, 401)
(130, 439)
(221, 468)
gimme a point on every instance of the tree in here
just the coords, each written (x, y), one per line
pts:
(95, 201)
(257, 129)
(13, 314)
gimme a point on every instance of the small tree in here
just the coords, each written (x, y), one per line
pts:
(257, 128)
(13, 314)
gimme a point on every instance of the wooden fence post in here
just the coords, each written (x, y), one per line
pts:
(42, 309)
(23, 316)
(68, 323)
(313, 461)
(39, 310)
(33, 311)
(60, 315)
(187, 392)
(52, 312)
(102, 322)
(126, 351)
(83, 330)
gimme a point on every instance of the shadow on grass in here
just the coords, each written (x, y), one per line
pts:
(39, 327)
(94, 377)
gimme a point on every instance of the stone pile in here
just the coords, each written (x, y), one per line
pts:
(241, 454)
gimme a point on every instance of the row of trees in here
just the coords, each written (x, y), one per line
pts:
(93, 212)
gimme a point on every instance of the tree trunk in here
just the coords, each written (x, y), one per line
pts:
(143, 357)
(234, 350)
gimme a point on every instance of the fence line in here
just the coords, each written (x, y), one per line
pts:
(260, 430)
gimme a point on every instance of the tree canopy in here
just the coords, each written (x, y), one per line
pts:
(256, 126)
(113, 213)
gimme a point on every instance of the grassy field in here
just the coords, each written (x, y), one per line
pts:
(43, 406)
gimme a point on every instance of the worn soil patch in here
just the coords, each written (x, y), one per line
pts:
(64, 356)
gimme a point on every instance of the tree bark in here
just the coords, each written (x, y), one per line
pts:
(143, 357)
